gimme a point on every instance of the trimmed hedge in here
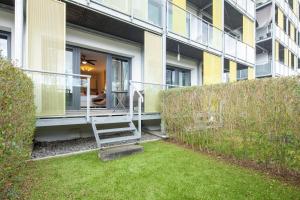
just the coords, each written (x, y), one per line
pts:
(17, 120)
(255, 120)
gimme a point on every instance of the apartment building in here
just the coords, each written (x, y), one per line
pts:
(96, 62)
(277, 38)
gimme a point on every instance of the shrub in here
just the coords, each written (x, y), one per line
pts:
(255, 120)
(17, 120)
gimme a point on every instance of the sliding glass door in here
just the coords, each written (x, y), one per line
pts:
(73, 84)
(4, 44)
(119, 82)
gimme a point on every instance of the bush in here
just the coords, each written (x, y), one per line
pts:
(17, 120)
(255, 120)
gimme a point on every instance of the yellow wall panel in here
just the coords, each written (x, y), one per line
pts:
(179, 17)
(46, 45)
(211, 69)
(217, 14)
(276, 51)
(248, 31)
(296, 7)
(232, 71)
(153, 70)
(251, 73)
(280, 18)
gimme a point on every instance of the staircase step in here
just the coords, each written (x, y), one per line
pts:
(117, 152)
(116, 130)
(111, 120)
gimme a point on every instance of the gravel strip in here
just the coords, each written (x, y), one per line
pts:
(45, 149)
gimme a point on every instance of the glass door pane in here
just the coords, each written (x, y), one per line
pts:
(120, 82)
(3, 46)
(73, 84)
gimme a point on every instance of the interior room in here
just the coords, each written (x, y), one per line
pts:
(94, 64)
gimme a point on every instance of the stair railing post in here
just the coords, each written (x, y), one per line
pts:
(131, 94)
(140, 117)
(88, 94)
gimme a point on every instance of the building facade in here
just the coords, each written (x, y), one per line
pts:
(277, 38)
(85, 54)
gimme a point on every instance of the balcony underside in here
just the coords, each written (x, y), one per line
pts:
(81, 16)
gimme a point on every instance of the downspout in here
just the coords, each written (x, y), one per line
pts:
(19, 23)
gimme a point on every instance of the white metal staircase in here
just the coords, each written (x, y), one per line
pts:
(127, 127)
(121, 120)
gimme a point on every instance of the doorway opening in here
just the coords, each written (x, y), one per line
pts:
(109, 83)
(94, 64)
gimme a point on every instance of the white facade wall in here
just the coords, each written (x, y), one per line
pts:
(107, 44)
(7, 24)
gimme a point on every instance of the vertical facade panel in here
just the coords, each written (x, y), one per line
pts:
(212, 68)
(179, 17)
(153, 70)
(232, 71)
(286, 56)
(46, 24)
(280, 19)
(251, 74)
(248, 31)
(217, 14)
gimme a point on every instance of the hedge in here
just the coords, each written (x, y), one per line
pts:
(255, 120)
(17, 120)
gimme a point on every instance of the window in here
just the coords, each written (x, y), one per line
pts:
(178, 76)
(292, 61)
(5, 44)
(298, 63)
(276, 15)
(281, 53)
(285, 24)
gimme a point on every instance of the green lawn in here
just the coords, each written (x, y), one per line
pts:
(163, 171)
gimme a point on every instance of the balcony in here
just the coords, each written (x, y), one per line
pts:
(193, 29)
(262, 70)
(238, 50)
(264, 33)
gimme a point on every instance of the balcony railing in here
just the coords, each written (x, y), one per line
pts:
(149, 11)
(283, 70)
(239, 50)
(242, 74)
(263, 69)
(190, 26)
(60, 94)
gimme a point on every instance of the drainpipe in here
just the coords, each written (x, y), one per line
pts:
(164, 41)
(19, 23)
(273, 40)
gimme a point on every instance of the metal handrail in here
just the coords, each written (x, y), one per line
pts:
(133, 89)
(192, 14)
(88, 78)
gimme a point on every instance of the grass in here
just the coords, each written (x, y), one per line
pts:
(163, 171)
